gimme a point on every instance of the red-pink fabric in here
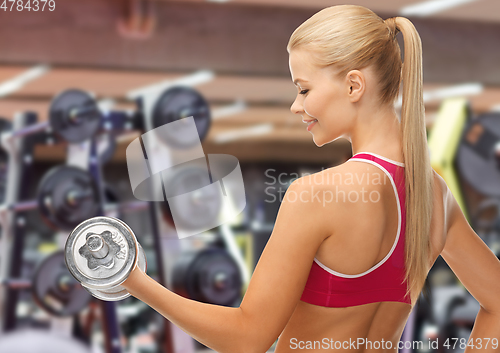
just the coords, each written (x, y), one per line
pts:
(383, 283)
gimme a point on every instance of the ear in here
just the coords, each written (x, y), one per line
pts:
(355, 85)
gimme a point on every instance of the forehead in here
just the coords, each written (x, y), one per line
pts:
(301, 64)
(304, 66)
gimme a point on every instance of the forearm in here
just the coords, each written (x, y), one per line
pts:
(218, 327)
(485, 335)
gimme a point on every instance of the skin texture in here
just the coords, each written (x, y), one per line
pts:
(335, 233)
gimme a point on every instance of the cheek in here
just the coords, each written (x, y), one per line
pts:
(319, 104)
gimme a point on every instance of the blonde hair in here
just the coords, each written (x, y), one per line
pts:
(353, 37)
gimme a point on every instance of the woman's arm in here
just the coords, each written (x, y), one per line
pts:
(273, 292)
(477, 267)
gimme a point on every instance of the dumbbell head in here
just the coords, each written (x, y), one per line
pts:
(175, 104)
(100, 253)
(74, 115)
(210, 276)
(118, 292)
(55, 290)
(67, 196)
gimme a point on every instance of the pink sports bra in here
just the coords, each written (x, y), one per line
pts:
(382, 282)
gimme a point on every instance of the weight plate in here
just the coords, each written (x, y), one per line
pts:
(106, 270)
(175, 104)
(118, 292)
(74, 115)
(478, 156)
(55, 290)
(67, 196)
(199, 207)
(209, 276)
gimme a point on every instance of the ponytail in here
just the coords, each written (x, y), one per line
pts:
(418, 171)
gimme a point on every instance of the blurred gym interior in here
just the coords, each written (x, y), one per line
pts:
(118, 68)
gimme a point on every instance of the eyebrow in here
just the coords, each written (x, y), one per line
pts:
(297, 80)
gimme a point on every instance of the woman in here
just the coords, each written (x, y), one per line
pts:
(334, 269)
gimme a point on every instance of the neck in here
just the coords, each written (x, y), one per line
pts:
(377, 132)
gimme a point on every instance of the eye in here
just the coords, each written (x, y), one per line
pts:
(304, 91)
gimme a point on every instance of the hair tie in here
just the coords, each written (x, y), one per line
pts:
(393, 27)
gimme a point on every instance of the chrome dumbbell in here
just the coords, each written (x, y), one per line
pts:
(100, 253)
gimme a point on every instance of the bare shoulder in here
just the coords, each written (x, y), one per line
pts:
(442, 187)
(441, 207)
(341, 193)
(443, 198)
(346, 177)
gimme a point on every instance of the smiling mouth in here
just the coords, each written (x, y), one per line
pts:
(310, 124)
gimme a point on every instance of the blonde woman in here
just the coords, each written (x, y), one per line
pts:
(353, 244)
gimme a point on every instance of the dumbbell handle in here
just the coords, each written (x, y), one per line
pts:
(20, 206)
(19, 283)
(77, 113)
(16, 283)
(29, 130)
(33, 204)
(97, 246)
(73, 197)
(74, 116)
(130, 206)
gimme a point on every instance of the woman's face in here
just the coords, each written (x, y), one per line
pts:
(322, 100)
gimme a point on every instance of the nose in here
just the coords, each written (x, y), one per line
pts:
(296, 107)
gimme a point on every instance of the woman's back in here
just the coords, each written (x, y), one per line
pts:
(364, 239)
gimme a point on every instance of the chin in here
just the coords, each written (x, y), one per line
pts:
(320, 141)
(319, 144)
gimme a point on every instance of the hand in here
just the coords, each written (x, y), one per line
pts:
(133, 279)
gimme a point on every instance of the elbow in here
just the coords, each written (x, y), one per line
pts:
(252, 344)
(491, 311)
(254, 347)
(253, 335)
(259, 345)
(241, 346)
(244, 348)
